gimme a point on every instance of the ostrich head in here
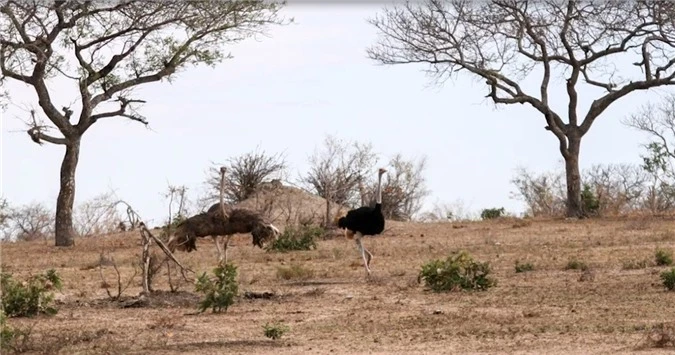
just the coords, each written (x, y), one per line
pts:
(264, 233)
(381, 171)
(180, 240)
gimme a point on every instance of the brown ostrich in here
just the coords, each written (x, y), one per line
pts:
(211, 223)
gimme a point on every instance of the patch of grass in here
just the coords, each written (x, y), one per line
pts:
(574, 264)
(275, 331)
(521, 223)
(219, 293)
(663, 257)
(459, 270)
(668, 279)
(523, 267)
(296, 238)
(634, 264)
(294, 272)
(30, 297)
(16, 340)
(660, 335)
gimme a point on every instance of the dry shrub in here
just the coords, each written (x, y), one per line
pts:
(337, 171)
(618, 189)
(404, 190)
(294, 272)
(97, 216)
(344, 173)
(447, 212)
(543, 194)
(32, 221)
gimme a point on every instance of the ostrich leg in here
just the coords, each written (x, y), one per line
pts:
(364, 252)
(227, 242)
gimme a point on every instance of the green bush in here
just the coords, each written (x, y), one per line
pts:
(520, 267)
(589, 202)
(219, 293)
(668, 278)
(275, 331)
(296, 238)
(492, 213)
(663, 257)
(459, 270)
(27, 299)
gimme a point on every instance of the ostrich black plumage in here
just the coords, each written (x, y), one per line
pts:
(365, 221)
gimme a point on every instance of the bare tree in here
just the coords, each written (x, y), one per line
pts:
(404, 189)
(337, 170)
(177, 196)
(245, 174)
(503, 41)
(658, 121)
(30, 222)
(108, 49)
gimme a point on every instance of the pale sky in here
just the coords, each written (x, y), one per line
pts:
(284, 93)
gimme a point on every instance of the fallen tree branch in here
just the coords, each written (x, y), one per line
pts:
(146, 236)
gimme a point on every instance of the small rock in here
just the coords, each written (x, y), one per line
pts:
(438, 311)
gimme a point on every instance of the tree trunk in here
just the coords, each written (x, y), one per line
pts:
(64, 231)
(574, 207)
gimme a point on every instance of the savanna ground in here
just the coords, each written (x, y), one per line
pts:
(610, 308)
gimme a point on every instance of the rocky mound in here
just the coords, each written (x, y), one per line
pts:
(287, 205)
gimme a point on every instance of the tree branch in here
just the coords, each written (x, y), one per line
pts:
(600, 105)
(121, 112)
(36, 132)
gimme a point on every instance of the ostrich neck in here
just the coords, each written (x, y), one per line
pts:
(379, 190)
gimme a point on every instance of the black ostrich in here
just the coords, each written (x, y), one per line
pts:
(364, 221)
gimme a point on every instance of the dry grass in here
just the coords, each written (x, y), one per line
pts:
(616, 309)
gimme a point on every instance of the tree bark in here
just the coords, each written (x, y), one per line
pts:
(573, 177)
(64, 231)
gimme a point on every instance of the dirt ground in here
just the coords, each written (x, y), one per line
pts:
(610, 308)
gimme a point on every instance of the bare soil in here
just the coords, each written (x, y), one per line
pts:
(335, 308)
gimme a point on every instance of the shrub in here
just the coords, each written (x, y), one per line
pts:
(492, 213)
(296, 238)
(589, 201)
(663, 257)
(574, 264)
(668, 278)
(219, 293)
(275, 331)
(27, 299)
(523, 267)
(458, 270)
(14, 339)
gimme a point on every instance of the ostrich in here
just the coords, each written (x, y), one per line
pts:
(364, 221)
(211, 223)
